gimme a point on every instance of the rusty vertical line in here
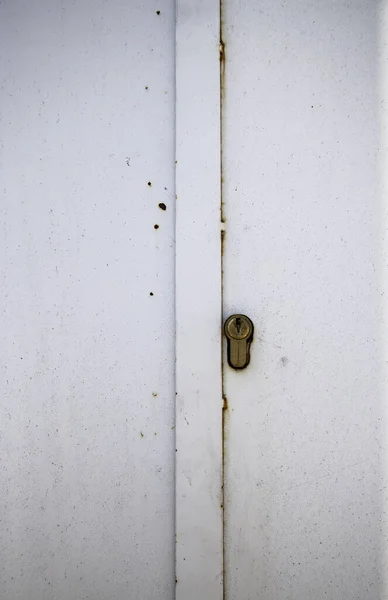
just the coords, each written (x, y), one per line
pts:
(223, 425)
(222, 241)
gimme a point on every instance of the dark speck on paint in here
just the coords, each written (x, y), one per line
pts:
(158, 12)
(162, 206)
(156, 226)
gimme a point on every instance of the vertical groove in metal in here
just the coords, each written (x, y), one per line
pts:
(223, 242)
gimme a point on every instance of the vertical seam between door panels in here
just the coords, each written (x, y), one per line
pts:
(222, 242)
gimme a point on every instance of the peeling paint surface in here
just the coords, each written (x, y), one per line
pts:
(87, 349)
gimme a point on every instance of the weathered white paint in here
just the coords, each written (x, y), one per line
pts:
(304, 259)
(383, 178)
(198, 304)
(87, 390)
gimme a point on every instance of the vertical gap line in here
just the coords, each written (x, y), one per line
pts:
(222, 242)
(175, 42)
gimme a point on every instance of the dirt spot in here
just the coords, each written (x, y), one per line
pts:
(158, 12)
(156, 226)
(151, 293)
(149, 184)
(222, 51)
(154, 394)
(162, 206)
(284, 361)
(141, 434)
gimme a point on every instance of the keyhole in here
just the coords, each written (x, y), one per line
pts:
(238, 325)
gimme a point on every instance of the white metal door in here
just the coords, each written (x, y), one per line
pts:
(304, 259)
(87, 300)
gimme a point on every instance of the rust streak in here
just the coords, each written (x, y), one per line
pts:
(222, 50)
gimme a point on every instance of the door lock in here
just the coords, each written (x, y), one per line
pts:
(239, 332)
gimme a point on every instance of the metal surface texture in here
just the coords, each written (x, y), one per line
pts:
(198, 303)
(305, 258)
(87, 300)
(111, 356)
